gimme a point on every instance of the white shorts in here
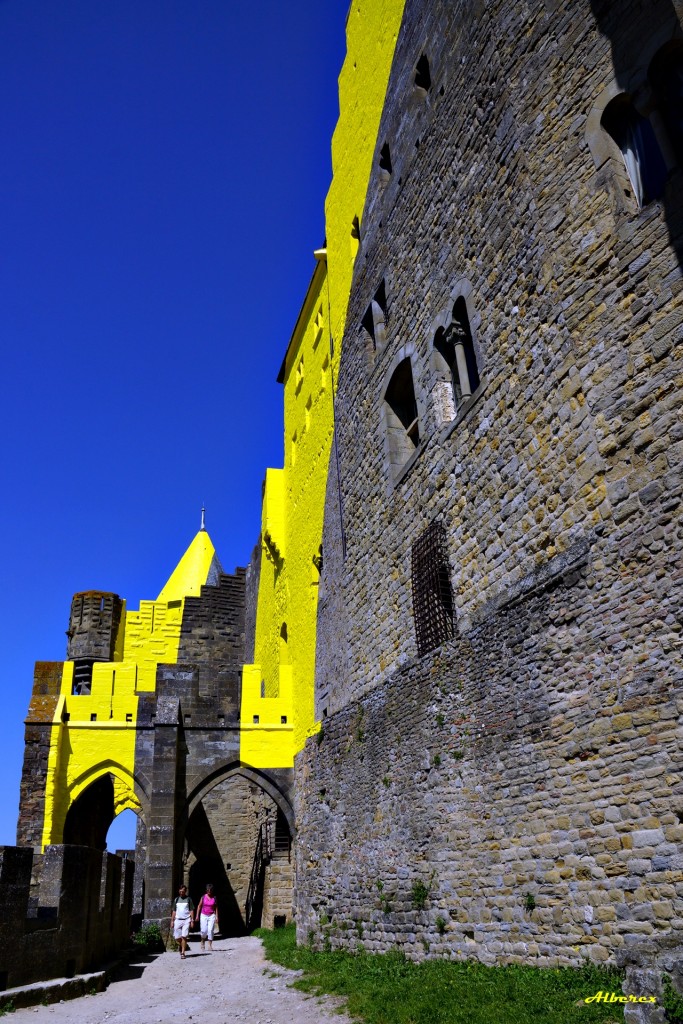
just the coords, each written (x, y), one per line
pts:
(207, 923)
(181, 927)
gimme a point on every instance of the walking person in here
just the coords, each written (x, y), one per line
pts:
(207, 911)
(181, 919)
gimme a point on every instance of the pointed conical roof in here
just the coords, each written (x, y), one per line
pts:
(199, 566)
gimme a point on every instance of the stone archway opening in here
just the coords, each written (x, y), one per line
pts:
(90, 815)
(122, 832)
(109, 799)
(238, 839)
(127, 837)
(95, 800)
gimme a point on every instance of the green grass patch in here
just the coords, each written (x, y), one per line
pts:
(390, 989)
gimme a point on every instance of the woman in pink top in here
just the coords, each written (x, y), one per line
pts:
(208, 916)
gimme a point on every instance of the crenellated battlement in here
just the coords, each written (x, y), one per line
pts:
(66, 911)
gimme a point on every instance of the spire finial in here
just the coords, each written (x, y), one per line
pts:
(203, 526)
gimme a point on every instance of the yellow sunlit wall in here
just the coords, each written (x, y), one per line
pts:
(294, 497)
(94, 734)
(279, 685)
(371, 32)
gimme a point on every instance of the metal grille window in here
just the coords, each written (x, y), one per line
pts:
(432, 597)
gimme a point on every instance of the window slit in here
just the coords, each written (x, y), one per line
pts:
(385, 162)
(423, 78)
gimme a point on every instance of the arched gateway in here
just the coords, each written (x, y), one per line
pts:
(147, 714)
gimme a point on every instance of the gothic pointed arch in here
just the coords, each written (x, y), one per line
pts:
(103, 790)
(263, 779)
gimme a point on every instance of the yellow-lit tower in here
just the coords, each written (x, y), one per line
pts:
(277, 692)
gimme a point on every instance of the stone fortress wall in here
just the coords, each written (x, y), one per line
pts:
(497, 646)
(63, 912)
(508, 786)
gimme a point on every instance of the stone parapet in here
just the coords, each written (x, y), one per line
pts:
(64, 912)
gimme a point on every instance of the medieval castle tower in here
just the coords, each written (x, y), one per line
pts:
(439, 711)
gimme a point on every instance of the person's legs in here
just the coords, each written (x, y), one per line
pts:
(203, 918)
(210, 925)
(180, 932)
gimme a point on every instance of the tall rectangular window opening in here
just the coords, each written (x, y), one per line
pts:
(400, 412)
(431, 586)
(385, 168)
(299, 378)
(355, 237)
(465, 358)
(374, 320)
(423, 78)
(456, 360)
(318, 326)
(82, 678)
(640, 152)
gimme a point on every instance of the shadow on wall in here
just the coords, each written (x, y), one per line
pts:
(210, 867)
(647, 54)
(90, 815)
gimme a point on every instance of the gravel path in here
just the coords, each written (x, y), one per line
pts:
(233, 983)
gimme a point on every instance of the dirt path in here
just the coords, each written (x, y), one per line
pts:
(233, 983)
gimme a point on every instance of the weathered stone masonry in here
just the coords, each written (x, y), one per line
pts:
(510, 384)
(526, 774)
(76, 918)
(187, 757)
(487, 785)
(46, 683)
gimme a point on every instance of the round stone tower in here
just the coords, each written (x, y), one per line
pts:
(93, 630)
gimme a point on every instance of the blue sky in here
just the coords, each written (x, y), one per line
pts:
(162, 178)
